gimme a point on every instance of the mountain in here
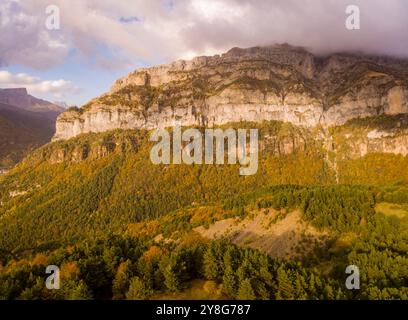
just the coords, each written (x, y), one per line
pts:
(280, 82)
(25, 123)
(19, 97)
(331, 189)
(62, 104)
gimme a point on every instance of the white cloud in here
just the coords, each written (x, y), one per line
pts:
(163, 30)
(24, 39)
(57, 89)
(217, 9)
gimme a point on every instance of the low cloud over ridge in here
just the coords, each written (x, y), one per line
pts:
(162, 30)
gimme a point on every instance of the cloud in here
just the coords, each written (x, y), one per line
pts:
(132, 32)
(24, 39)
(54, 88)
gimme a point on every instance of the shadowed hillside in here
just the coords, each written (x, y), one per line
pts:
(22, 131)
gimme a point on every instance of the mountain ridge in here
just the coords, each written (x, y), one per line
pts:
(280, 83)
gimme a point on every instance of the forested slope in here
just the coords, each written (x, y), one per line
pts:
(96, 204)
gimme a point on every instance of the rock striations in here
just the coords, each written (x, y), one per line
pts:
(279, 82)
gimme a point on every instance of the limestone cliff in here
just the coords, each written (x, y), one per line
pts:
(263, 83)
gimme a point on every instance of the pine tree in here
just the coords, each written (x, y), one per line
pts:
(170, 271)
(121, 281)
(229, 283)
(210, 265)
(285, 288)
(80, 292)
(264, 273)
(300, 292)
(245, 291)
(33, 293)
(138, 290)
(120, 285)
(260, 290)
(328, 292)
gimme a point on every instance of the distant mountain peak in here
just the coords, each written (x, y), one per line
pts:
(14, 91)
(62, 104)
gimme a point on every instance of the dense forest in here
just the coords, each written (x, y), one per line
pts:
(95, 205)
(138, 267)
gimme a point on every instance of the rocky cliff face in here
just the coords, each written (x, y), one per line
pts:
(383, 134)
(263, 83)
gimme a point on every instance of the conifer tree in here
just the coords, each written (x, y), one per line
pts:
(245, 291)
(285, 288)
(210, 265)
(229, 282)
(138, 290)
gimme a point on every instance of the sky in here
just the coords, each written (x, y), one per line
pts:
(99, 41)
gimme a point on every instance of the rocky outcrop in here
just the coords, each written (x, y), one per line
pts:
(263, 83)
(384, 134)
(90, 147)
(374, 141)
